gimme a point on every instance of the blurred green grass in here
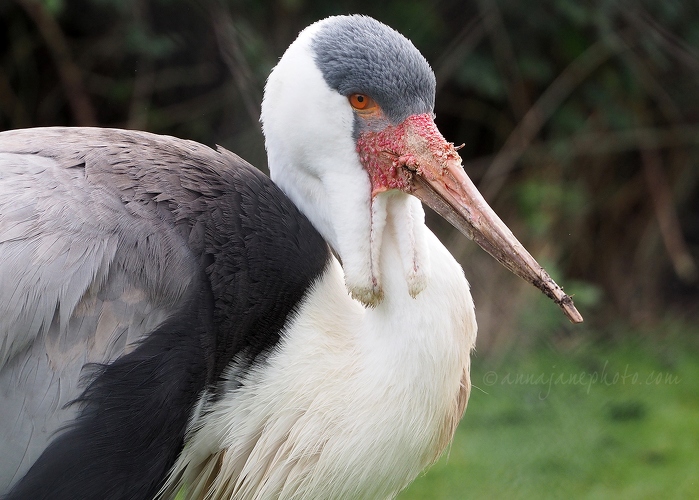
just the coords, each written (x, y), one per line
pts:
(613, 419)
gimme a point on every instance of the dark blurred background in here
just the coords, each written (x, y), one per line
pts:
(580, 125)
(580, 121)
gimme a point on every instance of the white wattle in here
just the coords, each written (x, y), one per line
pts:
(406, 218)
(354, 402)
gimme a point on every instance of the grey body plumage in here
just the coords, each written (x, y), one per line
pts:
(104, 235)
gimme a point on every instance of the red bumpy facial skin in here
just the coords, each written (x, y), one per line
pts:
(415, 158)
(415, 144)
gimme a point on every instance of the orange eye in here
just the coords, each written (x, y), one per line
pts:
(362, 102)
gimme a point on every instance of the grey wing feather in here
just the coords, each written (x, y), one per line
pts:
(84, 273)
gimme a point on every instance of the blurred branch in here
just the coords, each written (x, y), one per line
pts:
(69, 72)
(656, 181)
(674, 45)
(666, 215)
(601, 143)
(232, 54)
(651, 85)
(504, 56)
(594, 143)
(452, 57)
(528, 128)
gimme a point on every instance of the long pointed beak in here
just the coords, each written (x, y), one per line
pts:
(454, 196)
(427, 166)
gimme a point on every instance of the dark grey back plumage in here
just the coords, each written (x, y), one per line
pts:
(157, 259)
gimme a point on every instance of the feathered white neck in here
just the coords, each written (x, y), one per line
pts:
(313, 157)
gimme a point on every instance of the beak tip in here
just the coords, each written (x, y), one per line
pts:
(570, 310)
(556, 293)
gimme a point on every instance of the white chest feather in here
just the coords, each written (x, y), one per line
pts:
(353, 404)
